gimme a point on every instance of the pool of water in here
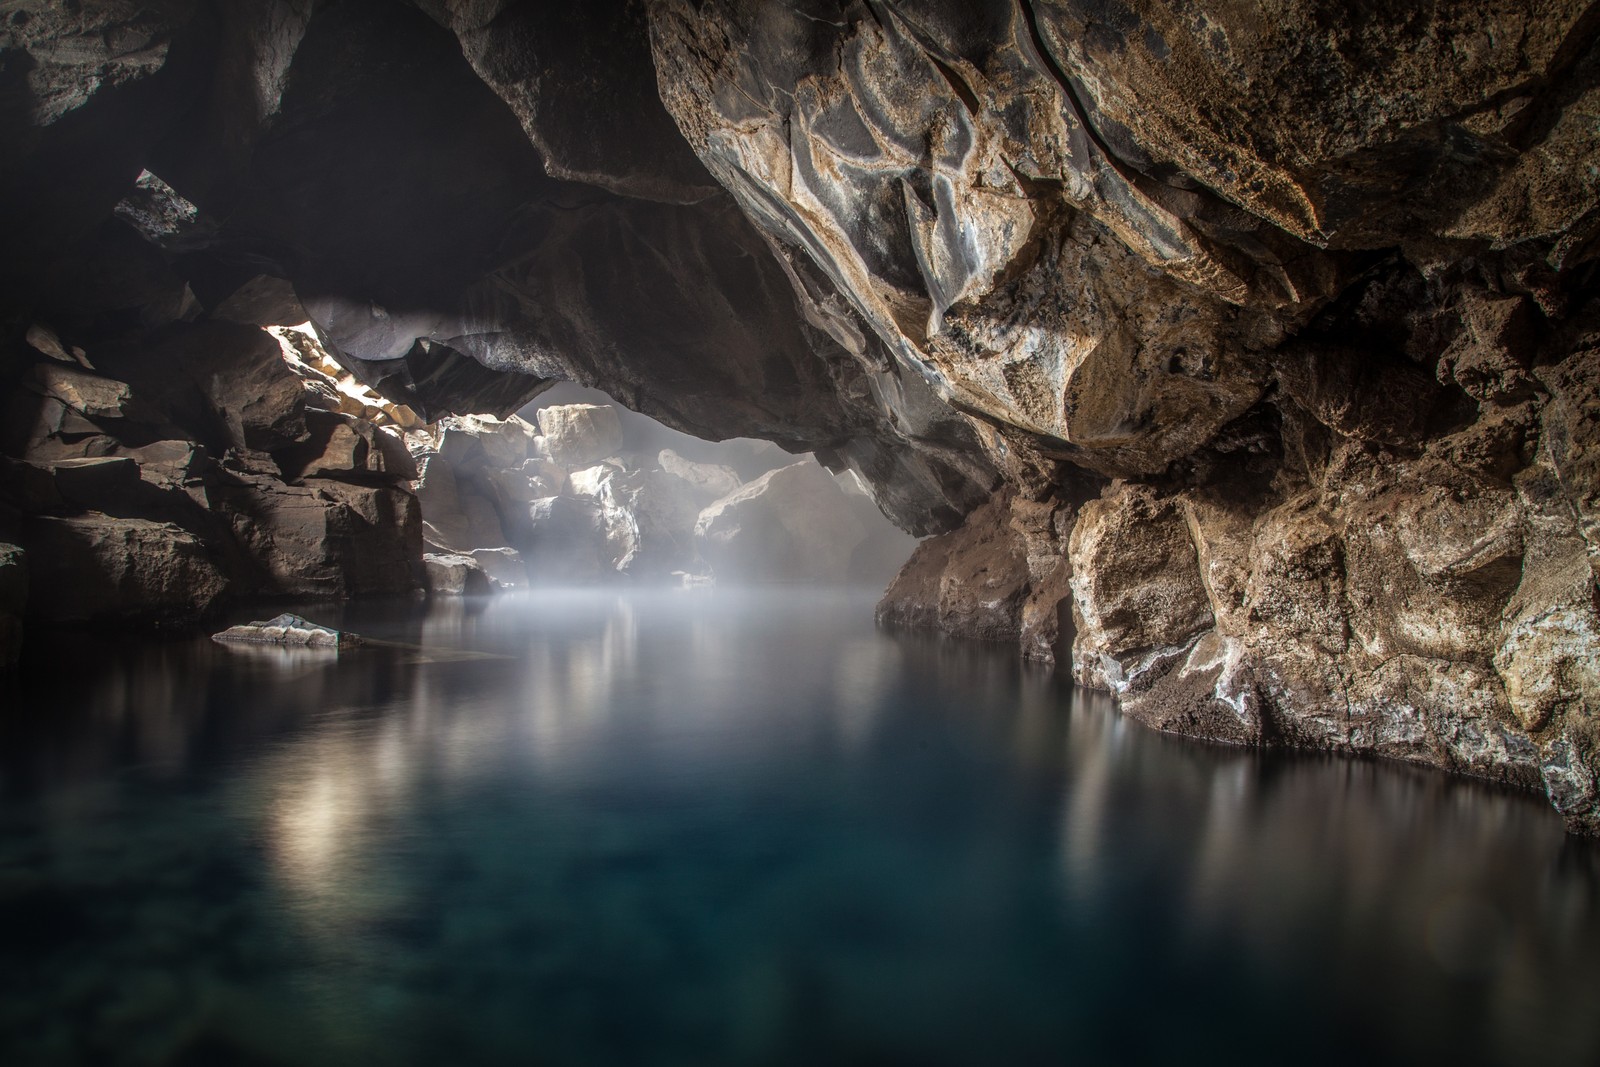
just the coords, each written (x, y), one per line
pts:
(735, 828)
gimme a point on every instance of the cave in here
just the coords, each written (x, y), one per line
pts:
(764, 531)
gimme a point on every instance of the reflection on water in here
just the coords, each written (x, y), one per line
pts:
(736, 828)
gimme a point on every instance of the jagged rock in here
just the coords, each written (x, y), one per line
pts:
(262, 301)
(340, 446)
(97, 568)
(452, 574)
(325, 537)
(287, 629)
(81, 391)
(494, 442)
(577, 435)
(224, 384)
(1000, 577)
(706, 481)
(96, 483)
(791, 524)
(13, 602)
(1571, 433)
(43, 339)
(647, 518)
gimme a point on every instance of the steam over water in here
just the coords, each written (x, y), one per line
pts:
(736, 828)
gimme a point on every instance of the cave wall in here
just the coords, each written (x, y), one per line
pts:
(1244, 364)
(1280, 330)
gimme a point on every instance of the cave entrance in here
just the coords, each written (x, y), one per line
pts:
(576, 489)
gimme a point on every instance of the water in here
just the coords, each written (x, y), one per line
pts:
(722, 828)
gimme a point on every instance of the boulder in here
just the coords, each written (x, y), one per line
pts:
(325, 537)
(791, 524)
(468, 440)
(348, 448)
(452, 574)
(289, 630)
(578, 435)
(97, 568)
(81, 391)
(971, 582)
(705, 482)
(504, 567)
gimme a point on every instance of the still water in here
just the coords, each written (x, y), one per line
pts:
(726, 828)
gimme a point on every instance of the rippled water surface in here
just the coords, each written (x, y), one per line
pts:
(722, 828)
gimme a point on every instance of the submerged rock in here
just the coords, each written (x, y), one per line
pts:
(289, 630)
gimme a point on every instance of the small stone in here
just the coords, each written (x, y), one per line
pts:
(287, 629)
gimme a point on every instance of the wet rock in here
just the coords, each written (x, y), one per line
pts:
(791, 524)
(452, 574)
(971, 582)
(289, 630)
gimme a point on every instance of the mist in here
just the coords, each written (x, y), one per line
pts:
(576, 489)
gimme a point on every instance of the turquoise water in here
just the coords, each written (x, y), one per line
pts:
(727, 828)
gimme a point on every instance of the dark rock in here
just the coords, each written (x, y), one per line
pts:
(13, 602)
(96, 568)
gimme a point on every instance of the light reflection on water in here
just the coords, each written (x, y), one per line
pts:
(736, 828)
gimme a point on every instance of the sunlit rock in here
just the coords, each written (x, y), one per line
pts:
(706, 481)
(453, 574)
(99, 568)
(577, 435)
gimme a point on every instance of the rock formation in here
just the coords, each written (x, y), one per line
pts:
(1245, 366)
(507, 503)
(289, 630)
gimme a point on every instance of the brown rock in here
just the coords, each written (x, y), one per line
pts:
(95, 568)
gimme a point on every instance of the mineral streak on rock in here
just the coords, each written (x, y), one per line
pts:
(288, 630)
